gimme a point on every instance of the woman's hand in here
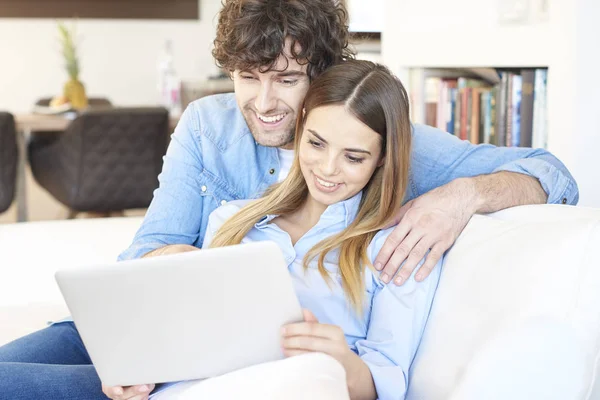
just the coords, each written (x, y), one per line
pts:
(312, 336)
(139, 392)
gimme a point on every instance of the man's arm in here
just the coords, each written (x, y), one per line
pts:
(174, 216)
(494, 192)
(450, 181)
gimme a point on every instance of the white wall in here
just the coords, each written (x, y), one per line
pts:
(366, 15)
(118, 57)
(470, 33)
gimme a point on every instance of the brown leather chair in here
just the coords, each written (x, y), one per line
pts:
(47, 137)
(106, 161)
(9, 156)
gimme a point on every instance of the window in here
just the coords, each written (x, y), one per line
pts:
(119, 9)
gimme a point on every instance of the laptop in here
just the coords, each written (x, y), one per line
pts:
(184, 316)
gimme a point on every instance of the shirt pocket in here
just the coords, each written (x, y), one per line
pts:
(215, 190)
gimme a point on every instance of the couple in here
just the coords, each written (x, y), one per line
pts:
(352, 156)
(233, 147)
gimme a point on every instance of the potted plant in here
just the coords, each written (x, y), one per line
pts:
(74, 90)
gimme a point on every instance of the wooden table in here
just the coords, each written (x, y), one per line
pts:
(27, 123)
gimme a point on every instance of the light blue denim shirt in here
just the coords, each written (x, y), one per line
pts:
(213, 159)
(386, 336)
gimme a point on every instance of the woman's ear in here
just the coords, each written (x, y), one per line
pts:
(381, 162)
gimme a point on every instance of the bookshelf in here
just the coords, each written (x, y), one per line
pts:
(424, 35)
(502, 107)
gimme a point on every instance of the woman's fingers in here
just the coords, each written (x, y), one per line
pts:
(332, 332)
(309, 344)
(294, 352)
(137, 392)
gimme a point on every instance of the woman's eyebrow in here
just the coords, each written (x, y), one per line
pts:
(352, 150)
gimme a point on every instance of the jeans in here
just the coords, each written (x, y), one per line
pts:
(50, 364)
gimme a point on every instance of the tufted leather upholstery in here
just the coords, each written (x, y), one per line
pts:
(107, 159)
(9, 155)
(44, 138)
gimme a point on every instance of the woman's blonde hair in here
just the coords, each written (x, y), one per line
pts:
(377, 98)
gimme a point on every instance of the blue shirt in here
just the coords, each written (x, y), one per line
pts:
(213, 158)
(386, 336)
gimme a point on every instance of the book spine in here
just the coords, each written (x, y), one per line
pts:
(509, 111)
(463, 113)
(501, 110)
(458, 112)
(527, 89)
(452, 111)
(516, 113)
(485, 117)
(539, 139)
(493, 119)
(432, 95)
(442, 105)
(475, 111)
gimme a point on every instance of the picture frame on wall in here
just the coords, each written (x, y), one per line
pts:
(101, 9)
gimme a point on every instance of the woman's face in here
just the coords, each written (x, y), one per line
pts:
(338, 154)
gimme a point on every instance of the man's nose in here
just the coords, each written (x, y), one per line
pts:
(266, 100)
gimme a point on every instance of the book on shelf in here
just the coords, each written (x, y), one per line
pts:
(483, 105)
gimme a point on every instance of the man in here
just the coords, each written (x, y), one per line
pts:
(230, 147)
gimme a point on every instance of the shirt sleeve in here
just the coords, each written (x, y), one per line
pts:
(396, 323)
(439, 157)
(173, 215)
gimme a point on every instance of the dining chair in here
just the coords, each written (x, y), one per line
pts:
(106, 161)
(42, 138)
(9, 156)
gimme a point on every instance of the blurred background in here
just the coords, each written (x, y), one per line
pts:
(91, 89)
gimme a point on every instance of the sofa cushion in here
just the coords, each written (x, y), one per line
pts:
(502, 272)
(30, 254)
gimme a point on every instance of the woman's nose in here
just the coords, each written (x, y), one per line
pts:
(329, 166)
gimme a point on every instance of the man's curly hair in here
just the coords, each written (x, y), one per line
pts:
(252, 33)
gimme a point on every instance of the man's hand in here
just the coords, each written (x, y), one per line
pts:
(170, 249)
(139, 392)
(431, 222)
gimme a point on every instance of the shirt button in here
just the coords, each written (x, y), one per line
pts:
(203, 188)
(564, 200)
(223, 202)
(272, 171)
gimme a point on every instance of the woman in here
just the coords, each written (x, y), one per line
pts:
(352, 158)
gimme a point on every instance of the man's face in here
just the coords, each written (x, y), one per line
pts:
(271, 101)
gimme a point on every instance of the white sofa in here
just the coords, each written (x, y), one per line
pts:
(516, 315)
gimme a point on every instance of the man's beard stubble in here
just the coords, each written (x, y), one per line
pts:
(283, 137)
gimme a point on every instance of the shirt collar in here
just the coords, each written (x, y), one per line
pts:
(347, 209)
